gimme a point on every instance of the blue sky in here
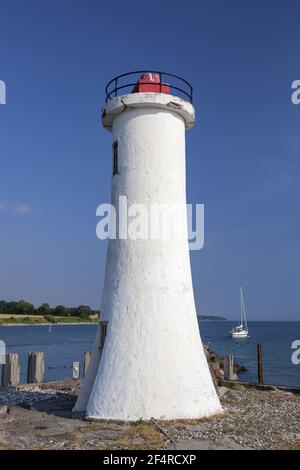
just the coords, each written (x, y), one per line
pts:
(242, 156)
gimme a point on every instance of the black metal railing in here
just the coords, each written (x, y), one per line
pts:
(173, 82)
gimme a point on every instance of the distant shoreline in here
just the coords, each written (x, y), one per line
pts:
(50, 324)
(211, 318)
(24, 320)
(43, 322)
(83, 323)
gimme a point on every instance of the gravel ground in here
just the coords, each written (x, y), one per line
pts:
(24, 397)
(40, 418)
(252, 418)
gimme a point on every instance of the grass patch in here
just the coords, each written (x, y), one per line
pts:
(21, 320)
(46, 319)
(139, 436)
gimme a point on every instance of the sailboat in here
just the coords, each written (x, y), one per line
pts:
(241, 331)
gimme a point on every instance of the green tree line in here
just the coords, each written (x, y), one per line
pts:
(26, 308)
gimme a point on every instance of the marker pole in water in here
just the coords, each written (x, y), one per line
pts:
(260, 363)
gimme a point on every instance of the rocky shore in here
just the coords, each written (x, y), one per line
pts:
(216, 365)
(39, 417)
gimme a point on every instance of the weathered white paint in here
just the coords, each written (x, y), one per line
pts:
(148, 100)
(153, 363)
(88, 381)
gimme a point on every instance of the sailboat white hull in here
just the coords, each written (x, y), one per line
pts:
(239, 334)
(241, 331)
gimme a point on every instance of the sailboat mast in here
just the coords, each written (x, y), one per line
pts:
(241, 294)
(243, 311)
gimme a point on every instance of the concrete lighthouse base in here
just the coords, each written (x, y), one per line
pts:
(174, 383)
(148, 360)
(161, 379)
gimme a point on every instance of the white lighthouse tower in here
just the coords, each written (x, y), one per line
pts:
(148, 359)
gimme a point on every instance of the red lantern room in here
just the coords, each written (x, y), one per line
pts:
(150, 82)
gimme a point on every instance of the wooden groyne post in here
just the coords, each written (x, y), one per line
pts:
(76, 370)
(86, 361)
(228, 367)
(260, 363)
(35, 367)
(11, 370)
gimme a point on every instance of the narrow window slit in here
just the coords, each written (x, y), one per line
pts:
(103, 330)
(115, 158)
